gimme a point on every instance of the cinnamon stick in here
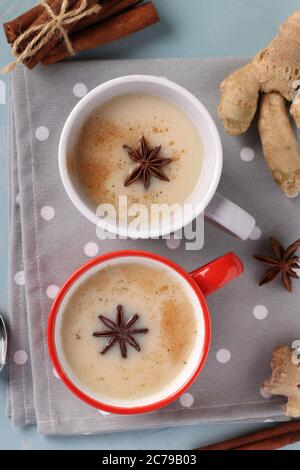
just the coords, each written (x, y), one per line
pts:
(56, 7)
(254, 438)
(109, 8)
(108, 31)
(17, 26)
(43, 18)
(273, 443)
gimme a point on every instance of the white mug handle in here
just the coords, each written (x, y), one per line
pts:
(230, 217)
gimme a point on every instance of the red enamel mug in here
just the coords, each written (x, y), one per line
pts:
(198, 284)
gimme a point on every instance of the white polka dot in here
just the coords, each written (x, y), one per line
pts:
(269, 420)
(187, 400)
(297, 271)
(102, 234)
(47, 213)
(80, 89)
(104, 413)
(18, 198)
(296, 344)
(295, 358)
(55, 374)
(52, 291)
(20, 278)
(173, 243)
(265, 394)
(2, 92)
(256, 234)
(260, 312)
(223, 356)
(42, 133)
(247, 154)
(20, 357)
(91, 249)
(296, 352)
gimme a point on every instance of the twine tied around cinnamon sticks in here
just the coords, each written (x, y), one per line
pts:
(45, 31)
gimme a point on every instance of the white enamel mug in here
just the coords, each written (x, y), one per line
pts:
(203, 199)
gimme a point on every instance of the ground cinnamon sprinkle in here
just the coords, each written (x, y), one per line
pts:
(176, 328)
(156, 130)
(94, 169)
(147, 284)
(163, 288)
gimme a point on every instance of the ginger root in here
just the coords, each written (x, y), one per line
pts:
(274, 71)
(275, 68)
(285, 380)
(238, 105)
(279, 142)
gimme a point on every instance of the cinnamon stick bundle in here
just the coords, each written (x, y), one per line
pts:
(84, 24)
(14, 28)
(56, 38)
(109, 8)
(269, 439)
(107, 31)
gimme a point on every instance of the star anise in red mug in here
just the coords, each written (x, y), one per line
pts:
(283, 262)
(120, 331)
(149, 164)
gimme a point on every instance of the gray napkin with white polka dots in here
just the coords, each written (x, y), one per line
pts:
(49, 239)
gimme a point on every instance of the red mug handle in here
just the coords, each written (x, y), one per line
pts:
(218, 273)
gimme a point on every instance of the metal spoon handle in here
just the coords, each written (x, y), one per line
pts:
(3, 343)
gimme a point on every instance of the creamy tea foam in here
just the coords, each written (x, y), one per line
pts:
(163, 308)
(102, 165)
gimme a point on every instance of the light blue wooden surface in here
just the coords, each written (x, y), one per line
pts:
(193, 28)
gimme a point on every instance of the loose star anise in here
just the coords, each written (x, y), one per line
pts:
(149, 164)
(120, 331)
(283, 262)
